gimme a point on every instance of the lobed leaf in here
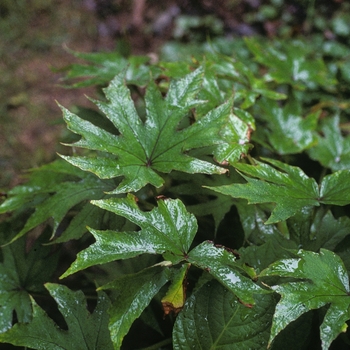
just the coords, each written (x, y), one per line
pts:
(314, 290)
(144, 149)
(85, 331)
(213, 319)
(332, 149)
(168, 229)
(222, 265)
(290, 189)
(134, 293)
(21, 274)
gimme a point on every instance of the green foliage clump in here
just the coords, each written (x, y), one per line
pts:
(204, 203)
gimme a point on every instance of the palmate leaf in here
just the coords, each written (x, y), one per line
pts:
(287, 132)
(85, 331)
(292, 63)
(324, 282)
(144, 149)
(221, 264)
(53, 190)
(21, 274)
(168, 229)
(332, 149)
(213, 319)
(289, 188)
(103, 66)
(133, 293)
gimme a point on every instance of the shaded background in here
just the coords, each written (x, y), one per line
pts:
(34, 35)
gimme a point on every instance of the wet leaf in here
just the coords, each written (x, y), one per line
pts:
(290, 189)
(133, 293)
(332, 149)
(168, 230)
(287, 131)
(144, 149)
(21, 274)
(221, 264)
(213, 319)
(291, 62)
(312, 290)
(85, 330)
(53, 190)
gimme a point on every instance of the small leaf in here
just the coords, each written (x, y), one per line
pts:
(221, 264)
(314, 290)
(85, 331)
(213, 319)
(134, 293)
(174, 299)
(168, 229)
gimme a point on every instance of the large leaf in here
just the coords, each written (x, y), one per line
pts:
(21, 274)
(324, 281)
(133, 293)
(221, 264)
(332, 149)
(158, 145)
(85, 330)
(290, 189)
(168, 229)
(213, 319)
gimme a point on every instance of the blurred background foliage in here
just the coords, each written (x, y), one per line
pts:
(35, 33)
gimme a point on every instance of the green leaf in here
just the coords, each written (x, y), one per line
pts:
(103, 66)
(332, 149)
(134, 293)
(265, 184)
(22, 273)
(213, 319)
(286, 131)
(85, 330)
(221, 264)
(313, 291)
(53, 190)
(312, 230)
(143, 149)
(168, 229)
(290, 189)
(291, 62)
(260, 257)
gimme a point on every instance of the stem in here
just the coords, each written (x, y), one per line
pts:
(158, 345)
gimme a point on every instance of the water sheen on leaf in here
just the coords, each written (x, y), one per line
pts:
(168, 230)
(213, 319)
(289, 188)
(221, 264)
(157, 145)
(324, 281)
